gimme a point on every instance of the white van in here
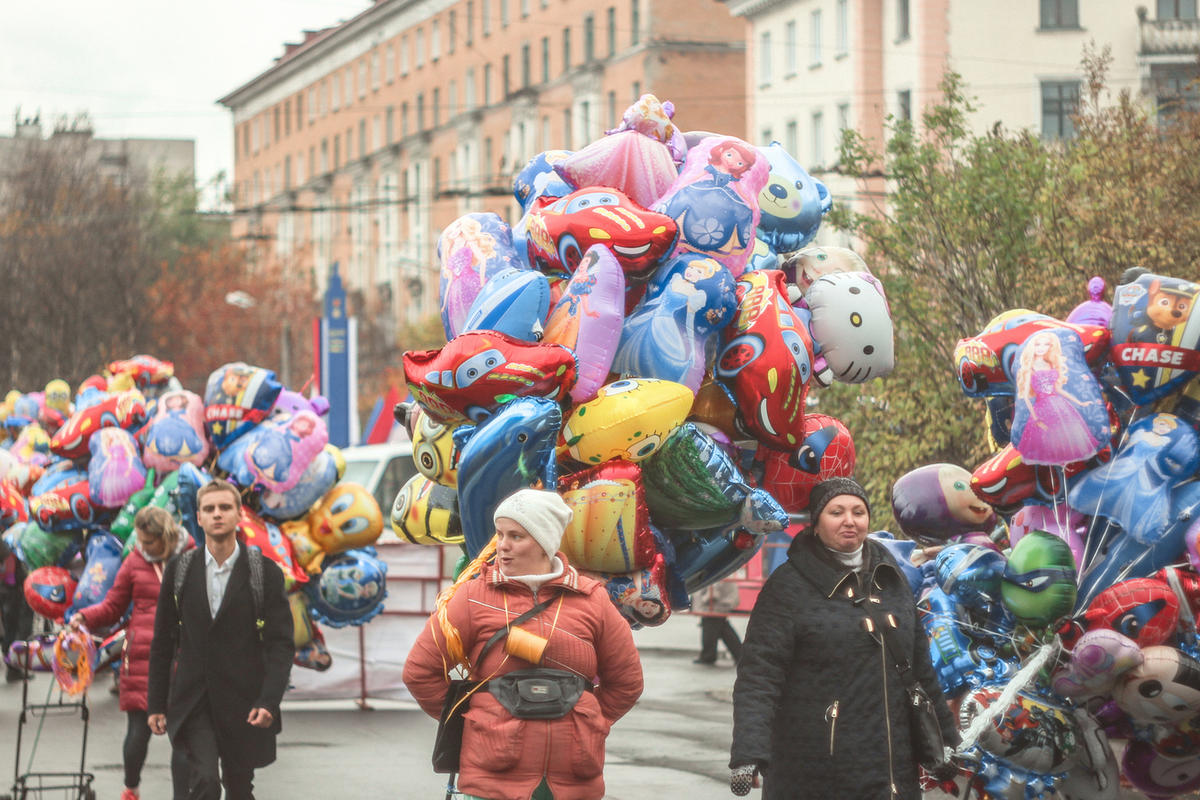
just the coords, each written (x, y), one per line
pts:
(383, 469)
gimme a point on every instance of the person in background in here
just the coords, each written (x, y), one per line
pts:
(714, 603)
(819, 707)
(503, 757)
(157, 538)
(15, 613)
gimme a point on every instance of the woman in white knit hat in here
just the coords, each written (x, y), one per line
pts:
(575, 638)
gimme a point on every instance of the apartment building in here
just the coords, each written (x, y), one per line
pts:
(366, 138)
(816, 67)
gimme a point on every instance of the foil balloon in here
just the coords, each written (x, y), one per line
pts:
(986, 364)
(587, 319)
(1039, 580)
(714, 201)
(175, 434)
(538, 178)
(766, 361)
(320, 476)
(805, 267)
(950, 650)
(971, 574)
(425, 512)
(471, 250)
(514, 449)
(19, 474)
(1034, 733)
(1098, 660)
(302, 623)
(33, 445)
(1163, 689)
(281, 448)
(1005, 481)
(610, 530)
(826, 451)
(236, 398)
(851, 326)
(791, 204)
(115, 470)
(560, 231)
(1159, 776)
(935, 502)
(433, 450)
(704, 557)
(1060, 414)
(693, 483)
(513, 302)
(35, 654)
(1144, 610)
(102, 559)
(715, 408)
(122, 526)
(291, 402)
(58, 397)
(350, 590)
(346, 517)
(641, 595)
(479, 371)
(1134, 489)
(67, 506)
(187, 479)
(49, 591)
(1064, 522)
(653, 118)
(124, 410)
(1093, 311)
(639, 166)
(35, 546)
(145, 371)
(232, 461)
(629, 420)
(14, 507)
(666, 336)
(1156, 335)
(254, 531)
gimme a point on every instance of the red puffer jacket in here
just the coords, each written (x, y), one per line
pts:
(503, 757)
(138, 581)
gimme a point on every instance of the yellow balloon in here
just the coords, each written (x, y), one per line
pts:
(58, 395)
(603, 534)
(345, 518)
(629, 419)
(302, 632)
(433, 450)
(427, 513)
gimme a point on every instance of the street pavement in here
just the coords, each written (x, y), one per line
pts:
(673, 744)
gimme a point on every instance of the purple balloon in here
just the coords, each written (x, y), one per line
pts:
(1158, 776)
(1093, 311)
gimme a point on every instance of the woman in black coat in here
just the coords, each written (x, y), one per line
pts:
(819, 708)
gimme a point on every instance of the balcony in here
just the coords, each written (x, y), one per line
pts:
(1167, 37)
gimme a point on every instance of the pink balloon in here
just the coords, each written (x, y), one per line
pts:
(1099, 659)
(587, 319)
(628, 161)
(1065, 523)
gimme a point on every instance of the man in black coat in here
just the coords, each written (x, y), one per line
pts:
(216, 675)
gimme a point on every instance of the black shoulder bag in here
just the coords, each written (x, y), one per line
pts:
(447, 745)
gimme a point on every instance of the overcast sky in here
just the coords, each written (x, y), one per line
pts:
(146, 68)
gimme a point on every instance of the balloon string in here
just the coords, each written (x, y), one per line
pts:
(1093, 543)
(1023, 678)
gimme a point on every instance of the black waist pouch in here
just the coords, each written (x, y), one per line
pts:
(538, 693)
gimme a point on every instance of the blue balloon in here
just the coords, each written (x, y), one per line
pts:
(902, 549)
(513, 449)
(233, 460)
(792, 203)
(190, 479)
(538, 178)
(513, 301)
(102, 554)
(704, 557)
(319, 478)
(350, 589)
(57, 473)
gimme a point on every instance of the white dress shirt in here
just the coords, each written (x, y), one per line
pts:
(216, 578)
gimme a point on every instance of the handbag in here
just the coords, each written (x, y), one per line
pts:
(538, 693)
(447, 743)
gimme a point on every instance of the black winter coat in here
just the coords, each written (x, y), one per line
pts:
(818, 704)
(222, 657)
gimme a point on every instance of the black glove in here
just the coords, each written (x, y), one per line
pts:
(742, 779)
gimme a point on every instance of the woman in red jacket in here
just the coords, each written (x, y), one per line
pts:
(138, 582)
(505, 757)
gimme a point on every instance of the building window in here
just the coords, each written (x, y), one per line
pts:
(435, 41)
(403, 56)
(1176, 9)
(526, 66)
(362, 138)
(470, 37)
(589, 38)
(818, 139)
(505, 77)
(404, 119)
(389, 66)
(545, 59)
(842, 21)
(635, 14)
(902, 19)
(452, 31)
(524, 8)
(487, 84)
(612, 30)
(764, 58)
(814, 35)
(277, 115)
(566, 50)
(1176, 89)
(791, 137)
(1060, 14)
(337, 152)
(469, 89)
(766, 137)
(437, 107)
(487, 160)
(546, 131)
(362, 79)
(612, 110)
(567, 128)
(789, 48)
(421, 111)
(376, 77)
(904, 105)
(390, 125)
(337, 93)
(637, 91)
(504, 19)
(312, 104)
(843, 117)
(287, 118)
(485, 16)
(1059, 101)
(299, 111)
(326, 105)
(451, 99)
(419, 36)
(312, 160)
(585, 120)
(324, 155)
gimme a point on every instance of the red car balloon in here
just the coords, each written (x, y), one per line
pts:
(144, 370)
(560, 230)
(64, 507)
(477, 372)
(766, 361)
(986, 363)
(1006, 480)
(14, 507)
(122, 410)
(826, 452)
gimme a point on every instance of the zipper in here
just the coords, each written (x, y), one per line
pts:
(887, 714)
(831, 716)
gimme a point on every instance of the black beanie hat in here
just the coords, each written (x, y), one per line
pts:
(826, 490)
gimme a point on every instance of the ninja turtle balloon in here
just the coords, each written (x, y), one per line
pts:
(1039, 581)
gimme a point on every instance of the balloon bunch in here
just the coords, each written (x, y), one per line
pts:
(71, 484)
(643, 339)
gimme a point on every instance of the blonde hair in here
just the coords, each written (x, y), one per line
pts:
(454, 652)
(1054, 357)
(157, 523)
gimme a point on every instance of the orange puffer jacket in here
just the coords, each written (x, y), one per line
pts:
(503, 757)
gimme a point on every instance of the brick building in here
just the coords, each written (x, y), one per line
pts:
(364, 140)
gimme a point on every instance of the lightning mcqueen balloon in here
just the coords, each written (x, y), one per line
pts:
(479, 371)
(123, 410)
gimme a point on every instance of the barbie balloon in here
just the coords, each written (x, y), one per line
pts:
(1098, 661)
(1156, 333)
(588, 317)
(851, 326)
(792, 203)
(560, 231)
(472, 249)
(125, 410)
(1163, 689)
(281, 448)
(175, 434)
(237, 398)
(350, 590)
(1093, 311)
(639, 166)
(1039, 580)
(629, 419)
(115, 470)
(513, 302)
(668, 333)
(827, 451)
(1060, 414)
(479, 371)
(425, 512)
(935, 502)
(610, 529)
(766, 361)
(513, 449)
(714, 201)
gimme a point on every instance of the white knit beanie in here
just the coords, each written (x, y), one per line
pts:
(543, 514)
